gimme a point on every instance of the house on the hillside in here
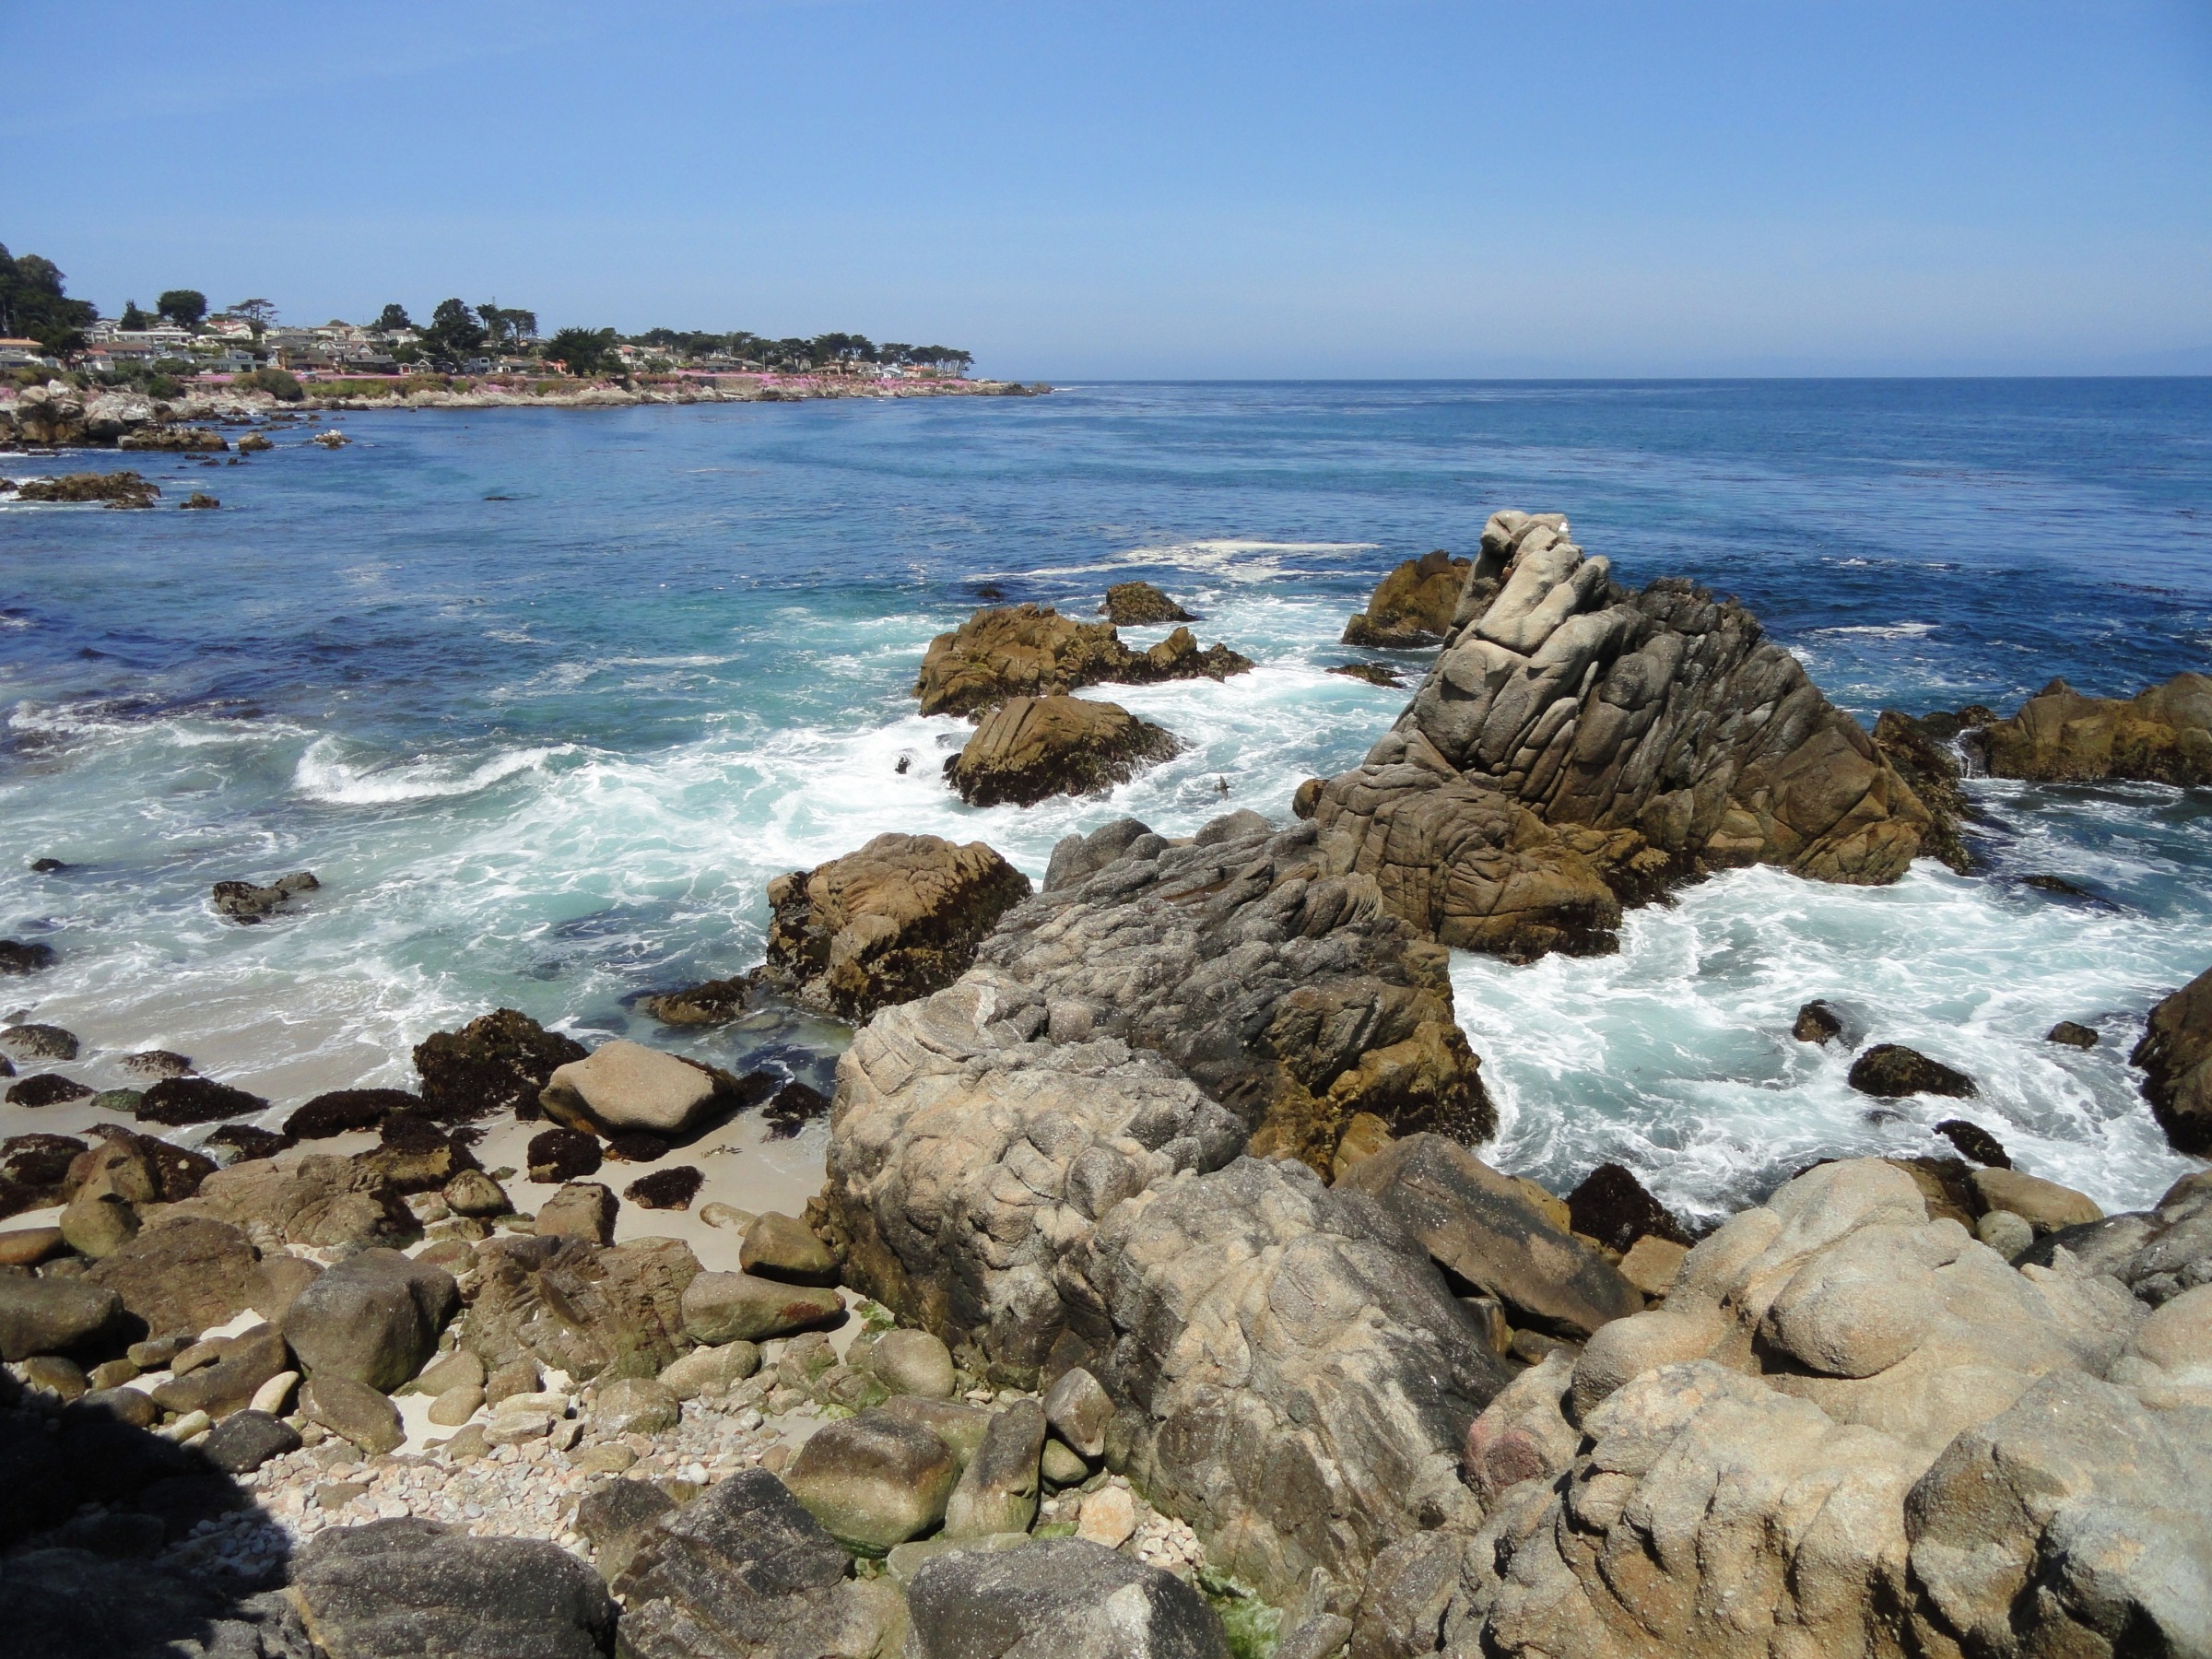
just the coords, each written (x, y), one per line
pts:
(23, 354)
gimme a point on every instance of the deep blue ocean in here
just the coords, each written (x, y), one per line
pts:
(546, 699)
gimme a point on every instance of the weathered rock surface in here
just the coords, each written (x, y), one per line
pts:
(314, 1200)
(1666, 715)
(1468, 866)
(1028, 748)
(1413, 605)
(31, 1042)
(745, 1572)
(1286, 992)
(375, 1317)
(2176, 1058)
(1849, 1429)
(497, 1063)
(195, 1100)
(1479, 1225)
(1060, 1597)
(72, 1603)
(114, 489)
(997, 1490)
(2163, 734)
(896, 919)
(413, 1589)
(1921, 753)
(1612, 1206)
(737, 1307)
(1141, 605)
(243, 1364)
(53, 1315)
(1032, 651)
(2157, 1254)
(581, 1209)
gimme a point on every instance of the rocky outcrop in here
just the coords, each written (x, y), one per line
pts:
(247, 904)
(1921, 752)
(115, 489)
(2157, 1254)
(1286, 992)
(896, 919)
(1665, 716)
(1031, 747)
(1890, 1071)
(1413, 605)
(1032, 651)
(2163, 735)
(1141, 605)
(570, 1305)
(1848, 1429)
(1062, 1596)
(2176, 1058)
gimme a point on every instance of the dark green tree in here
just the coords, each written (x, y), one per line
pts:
(393, 319)
(260, 313)
(453, 332)
(33, 305)
(583, 352)
(132, 319)
(184, 307)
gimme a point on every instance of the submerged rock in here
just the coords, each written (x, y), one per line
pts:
(29, 1043)
(1890, 1071)
(1817, 1022)
(1413, 605)
(2176, 1058)
(17, 956)
(1975, 1142)
(1031, 747)
(244, 902)
(190, 1100)
(114, 489)
(898, 919)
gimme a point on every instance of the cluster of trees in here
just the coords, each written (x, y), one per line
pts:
(821, 351)
(34, 306)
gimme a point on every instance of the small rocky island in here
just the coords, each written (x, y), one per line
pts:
(1156, 1303)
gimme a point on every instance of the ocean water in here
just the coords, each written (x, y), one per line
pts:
(547, 697)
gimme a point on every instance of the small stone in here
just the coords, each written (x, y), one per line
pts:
(55, 1375)
(603, 1459)
(1891, 1071)
(271, 1395)
(244, 1441)
(583, 1209)
(719, 1214)
(190, 1424)
(509, 1427)
(874, 1481)
(113, 1373)
(472, 1193)
(338, 1494)
(2046, 1205)
(1109, 1517)
(519, 1376)
(782, 1247)
(28, 1246)
(468, 1445)
(354, 1410)
(456, 1370)
(1817, 1022)
(2072, 1034)
(711, 1371)
(624, 1085)
(1974, 1142)
(457, 1404)
(98, 1226)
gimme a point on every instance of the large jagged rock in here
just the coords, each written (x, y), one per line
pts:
(1666, 714)
(2158, 1254)
(116, 489)
(2162, 735)
(1920, 750)
(1031, 747)
(1413, 605)
(1470, 867)
(1032, 651)
(375, 1318)
(1852, 1430)
(1285, 991)
(896, 919)
(2176, 1058)
(1063, 1204)
(184, 1273)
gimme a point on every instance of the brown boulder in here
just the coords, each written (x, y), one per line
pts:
(573, 1306)
(2163, 735)
(116, 489)
(2176, 1058)
(1032, 651)
(184, 1273)
(1890, 1071)
(896, 919)
(1413, 605)
(1141, 605)
(315, 1200)
(1917, 750)
(1031, 747)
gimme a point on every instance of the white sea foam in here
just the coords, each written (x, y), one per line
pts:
(1884, 630)
(322, 776)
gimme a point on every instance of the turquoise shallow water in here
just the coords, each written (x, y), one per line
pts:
(547, 750)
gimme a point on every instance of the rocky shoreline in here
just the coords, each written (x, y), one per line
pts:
(58, 416)
(1155, 1301)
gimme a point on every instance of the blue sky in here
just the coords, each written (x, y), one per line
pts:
(1378, 189)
